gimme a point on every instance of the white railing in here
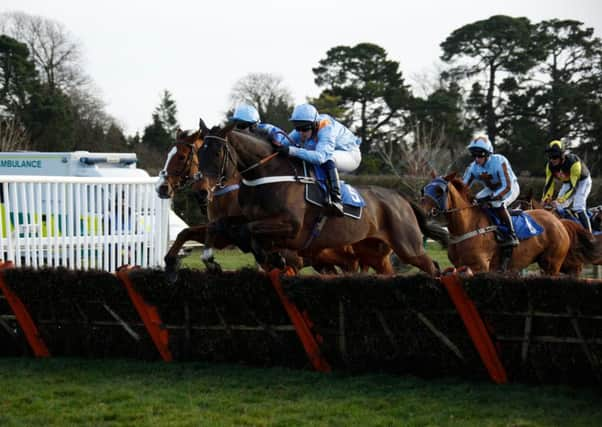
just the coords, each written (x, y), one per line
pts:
(82, 223)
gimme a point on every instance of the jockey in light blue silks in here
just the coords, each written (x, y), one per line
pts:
(247, 117)
(500, 184)
(321, 140)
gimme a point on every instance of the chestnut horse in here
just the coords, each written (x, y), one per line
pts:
(272, 198)
(472, 241)
(223, 211)
(581, 252)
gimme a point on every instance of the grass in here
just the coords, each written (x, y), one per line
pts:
(232, 259)
(132, 393)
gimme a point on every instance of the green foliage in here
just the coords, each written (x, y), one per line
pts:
(367, 84)
(499, 44)
(166, 113)
(18, 77)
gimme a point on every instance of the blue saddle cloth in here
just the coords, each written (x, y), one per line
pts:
(524, 226)
(349, 195)
(591, 213)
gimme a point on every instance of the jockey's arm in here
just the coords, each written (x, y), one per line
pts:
(468, 177)
(548, 188)
(505, 181)
(573, 179)
(323, 151)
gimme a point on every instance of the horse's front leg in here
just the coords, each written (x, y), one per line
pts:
(197, 233)
(266, 234)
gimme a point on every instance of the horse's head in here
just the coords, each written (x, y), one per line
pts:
(217, 159)
(228, 153)
(181, 164)
(444, 194)
(434, 196)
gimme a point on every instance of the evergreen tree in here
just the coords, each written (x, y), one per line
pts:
(166, 113)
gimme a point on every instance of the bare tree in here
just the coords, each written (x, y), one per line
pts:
(13, 136)
(414, 155)
(267, 93)
(58, 57)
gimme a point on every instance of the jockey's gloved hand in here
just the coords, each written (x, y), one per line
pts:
(283, 150)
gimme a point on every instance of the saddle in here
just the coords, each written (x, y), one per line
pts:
(317, 193)
(524, 225)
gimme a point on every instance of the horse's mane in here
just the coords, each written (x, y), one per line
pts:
(460, 187)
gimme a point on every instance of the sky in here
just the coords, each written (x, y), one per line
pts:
(198, 50)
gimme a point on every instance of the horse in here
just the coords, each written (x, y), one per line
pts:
(573, 264)
(181, 169)
(473, 242)
(223, 211)
(272, 198)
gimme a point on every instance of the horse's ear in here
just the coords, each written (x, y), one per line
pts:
(178, 133)
(203, 127)
(433, 173)
(451, 176)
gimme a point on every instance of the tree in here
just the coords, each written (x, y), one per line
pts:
(267, 93)
(50, 120)
(571, 72)
(56, 55)
(18, 77)
(495, 47)
(12, 135)
(166, 113)
(370, 87)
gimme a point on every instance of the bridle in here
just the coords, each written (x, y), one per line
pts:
(189, 163)
(429, 191)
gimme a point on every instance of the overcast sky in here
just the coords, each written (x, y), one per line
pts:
(198, 49)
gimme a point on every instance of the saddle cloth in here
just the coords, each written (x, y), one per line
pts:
(317, 194)
(524, 225)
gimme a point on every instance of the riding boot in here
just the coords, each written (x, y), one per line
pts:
(336, 204)
(510, 238)
(584, 219)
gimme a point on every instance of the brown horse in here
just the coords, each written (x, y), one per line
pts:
(472, 241)
(272, 197)
(181, 169)
(585, 248)
(223, 212)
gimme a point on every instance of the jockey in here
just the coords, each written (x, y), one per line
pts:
(321, 140)
(500, 184)
(246, 117)
(575, 178)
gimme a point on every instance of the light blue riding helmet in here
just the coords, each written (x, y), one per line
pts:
(304, 113)
(481, 143)
(246, 113)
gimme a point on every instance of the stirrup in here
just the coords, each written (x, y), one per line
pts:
(509, 241)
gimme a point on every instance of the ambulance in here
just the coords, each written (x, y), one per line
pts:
(52, 167)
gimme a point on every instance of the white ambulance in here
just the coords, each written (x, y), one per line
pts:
(44, 170)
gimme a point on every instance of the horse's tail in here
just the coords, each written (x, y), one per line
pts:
(430, 229)
(584, 247)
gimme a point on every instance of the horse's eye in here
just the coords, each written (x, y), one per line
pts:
(181, 157)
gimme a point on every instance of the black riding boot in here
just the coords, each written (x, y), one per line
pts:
(584, 219)
(504, 216)
(336, 205)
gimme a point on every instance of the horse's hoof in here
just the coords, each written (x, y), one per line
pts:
(213, 267)
(171, 269)
(276, 260)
